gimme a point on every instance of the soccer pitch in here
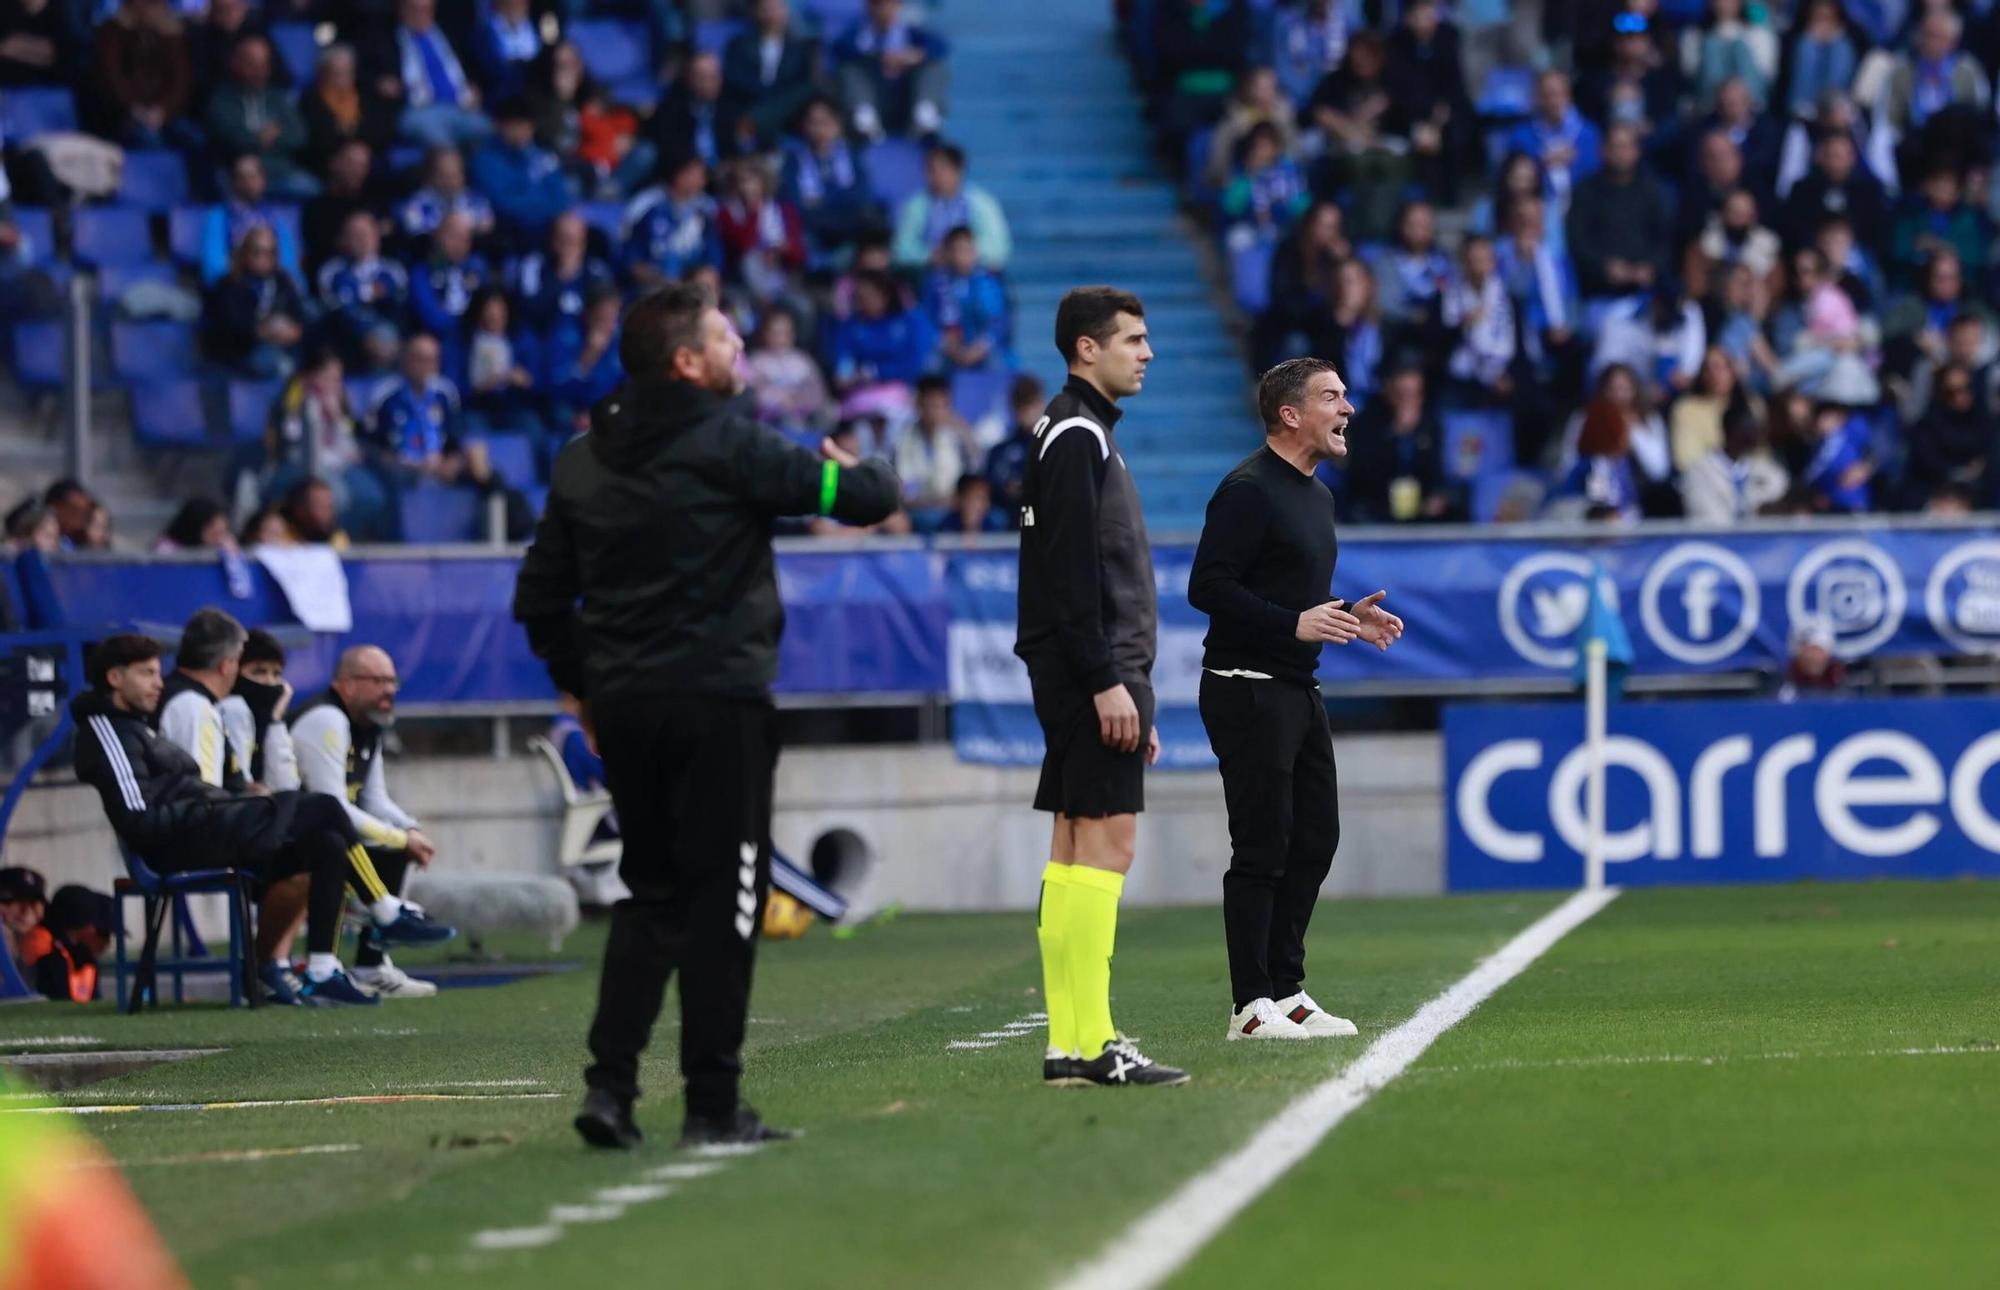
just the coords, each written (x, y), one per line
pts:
(1746, 1086)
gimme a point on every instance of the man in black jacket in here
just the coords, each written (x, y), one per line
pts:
(160, 806)
(651, 593)
(1261, 574)
(1089, 627)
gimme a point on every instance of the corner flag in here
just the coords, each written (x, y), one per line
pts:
(1602, 623)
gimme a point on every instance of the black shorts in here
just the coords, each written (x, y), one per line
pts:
(1081, 778)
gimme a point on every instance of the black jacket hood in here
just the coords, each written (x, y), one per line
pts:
(628, 425)
(96, 703)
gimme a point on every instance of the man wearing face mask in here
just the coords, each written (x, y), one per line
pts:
(338, 741)
(253, 716)
(651, 593)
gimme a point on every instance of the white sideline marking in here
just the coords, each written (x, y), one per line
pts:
(1150, 1250)
(515, 1238)
(973, 1043)
(470, 1083)
(51, 1041)
(1024, 1025)
(233, 1157)
(684, 1172)
(365, 1099)
(1720, 1059)
(633, 1193)
(564, 1214)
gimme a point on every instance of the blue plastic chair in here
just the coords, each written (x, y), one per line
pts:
(112, 235)
(979, 392)
(607, 218)
(153, 180)
(895, 170)
(1482, 439)
(114, 280)
(25, 113)
(184, 230)
(434, 516)
(712, 35)
(153, 351)
(162, 893)
(249, 406)
(39, 228)
(295, 44)
(613, 50)
(38, 355)
(513, 458)
(170, 414)
(1250, 275)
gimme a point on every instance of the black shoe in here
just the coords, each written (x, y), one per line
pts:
(605, 1121)
(1059, 1070)
(743, 1129)
(1122, 1065)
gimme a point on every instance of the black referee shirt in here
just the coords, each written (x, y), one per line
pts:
(1266, 556)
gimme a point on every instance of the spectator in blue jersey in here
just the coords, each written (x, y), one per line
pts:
(501, 392)
(254, 317)
(879, 353)
(243, 207)
(947, 202)
(504, 46)
(1412, 271)
(825, 178)
(1568, 148)
(524, 181)
(770, 68)
(1308, 40)
(1601, 484)
(967, 307)
(365, 297)
(1266, 192)
(892, 73)
(442, 288)
(582, 364)
(1006, 464)
(550, 286)
(414, 66)
(417, 427)
(444, 192)
(1824, 56)
(671, 227)
(1840, 475)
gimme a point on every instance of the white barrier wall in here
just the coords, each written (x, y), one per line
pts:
(940, 835)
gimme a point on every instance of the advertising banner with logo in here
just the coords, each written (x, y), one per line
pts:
(1721, 792)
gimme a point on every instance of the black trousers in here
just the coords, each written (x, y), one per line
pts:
(392, 867)
(1283, 796)
(274, 837)
(690, 776)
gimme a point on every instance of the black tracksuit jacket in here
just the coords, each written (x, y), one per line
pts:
(1089, 610)
(651, 570)
(151, 788)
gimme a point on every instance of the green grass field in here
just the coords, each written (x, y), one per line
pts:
(1754, 1086)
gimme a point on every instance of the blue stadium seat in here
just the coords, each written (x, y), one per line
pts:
(154, 180)
(361, 395)
(249, 404)
(1195, 160)
(1477, 443)
(834, 17)
(113, 280)
(112, 235)
(979, 392)
(184, 224)
(39, 228)
(712, 35)
(895, 170)
(513, 457)
(165, 905)
(1250, 275)
(295, 44)
(606, 217)
(1509, 92)
(434, 516)
(170, 414)
(38, 355)
(25, 113)
(612, 49)
(152, 351)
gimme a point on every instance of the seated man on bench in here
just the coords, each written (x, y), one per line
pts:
(157, 801)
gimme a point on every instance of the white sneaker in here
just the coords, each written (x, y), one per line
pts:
(1315, 1021)
(391, 982)
(926, 119)
(1262, 1019)
(867, 123)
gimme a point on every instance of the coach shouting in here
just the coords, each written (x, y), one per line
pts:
(1262, 574)
(651, 594)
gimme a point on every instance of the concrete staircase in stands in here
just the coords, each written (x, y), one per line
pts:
(1043, 103)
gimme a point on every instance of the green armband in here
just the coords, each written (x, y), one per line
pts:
(829, 483)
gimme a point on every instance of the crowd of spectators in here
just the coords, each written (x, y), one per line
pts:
(1713, 260)
(423, 241)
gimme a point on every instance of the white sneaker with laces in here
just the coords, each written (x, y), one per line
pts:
(1262, 1019)
(391, 982)
(1315, 1021)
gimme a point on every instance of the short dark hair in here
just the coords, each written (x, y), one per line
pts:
(1092, 312)
(114, 652)
(660, 325)
(209, 637)
(1027, 388)
(1285, 385)
(949, 152)
(62, 490)
(958, 231)
(933, 384)
(262, 647)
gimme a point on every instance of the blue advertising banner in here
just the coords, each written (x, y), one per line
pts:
(1720, 792)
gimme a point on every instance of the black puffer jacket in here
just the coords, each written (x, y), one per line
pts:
(651, 569)
(151, 788)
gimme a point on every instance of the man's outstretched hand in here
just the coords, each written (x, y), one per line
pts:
(1378, 626)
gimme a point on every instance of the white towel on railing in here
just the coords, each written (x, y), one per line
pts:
(314, 582)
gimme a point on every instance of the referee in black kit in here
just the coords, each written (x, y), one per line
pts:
(1262, 574)
(651, 593)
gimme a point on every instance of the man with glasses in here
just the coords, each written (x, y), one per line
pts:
(337, 738)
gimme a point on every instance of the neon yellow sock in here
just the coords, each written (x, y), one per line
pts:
(1052, 930)
(1093, 931)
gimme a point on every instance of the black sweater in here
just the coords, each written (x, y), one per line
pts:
(651, 570)
(1088, 609)
(1266, 556)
